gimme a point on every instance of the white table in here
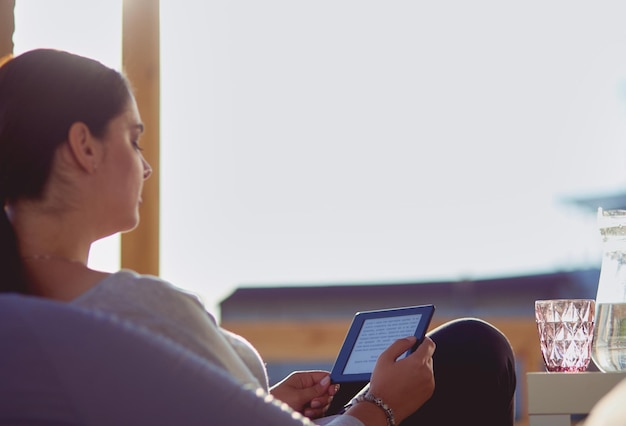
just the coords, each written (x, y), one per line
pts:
(554, 397)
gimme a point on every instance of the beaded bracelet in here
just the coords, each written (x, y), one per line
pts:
(391, 421)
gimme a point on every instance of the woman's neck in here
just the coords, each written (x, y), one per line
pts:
(54, 247)
(59, 278)
(52, 258)
(44, 235)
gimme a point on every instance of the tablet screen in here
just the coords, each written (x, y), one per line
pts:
(375, 336)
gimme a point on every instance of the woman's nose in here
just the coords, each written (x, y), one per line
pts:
(147, 170)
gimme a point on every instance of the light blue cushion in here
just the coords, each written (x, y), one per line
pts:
(60, 364)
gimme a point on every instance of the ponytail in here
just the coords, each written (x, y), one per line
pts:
(11, 272)
(12, 278)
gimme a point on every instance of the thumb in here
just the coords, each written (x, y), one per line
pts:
(318, 389)
(397, 348)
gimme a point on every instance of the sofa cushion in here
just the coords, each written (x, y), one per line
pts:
(60, 364)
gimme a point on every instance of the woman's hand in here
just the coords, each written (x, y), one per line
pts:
(404, 385)
(307, 392)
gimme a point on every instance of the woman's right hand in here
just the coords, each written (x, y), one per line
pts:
(404, 385)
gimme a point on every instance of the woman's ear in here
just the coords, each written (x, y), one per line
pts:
(83, 146)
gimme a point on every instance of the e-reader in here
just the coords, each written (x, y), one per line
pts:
(371, 333)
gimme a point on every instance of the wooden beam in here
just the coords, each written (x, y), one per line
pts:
(7, 28)
(141, 63)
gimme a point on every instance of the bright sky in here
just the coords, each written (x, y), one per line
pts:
(369, 141)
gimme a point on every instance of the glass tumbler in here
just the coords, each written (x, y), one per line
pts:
(565, 329)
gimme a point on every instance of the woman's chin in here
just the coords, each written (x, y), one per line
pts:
(131, 225)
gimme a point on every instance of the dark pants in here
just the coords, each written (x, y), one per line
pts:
(475, 378)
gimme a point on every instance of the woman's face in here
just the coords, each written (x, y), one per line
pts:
(121, 172)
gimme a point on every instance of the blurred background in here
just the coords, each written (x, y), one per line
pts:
(354, 142)
(359, 142)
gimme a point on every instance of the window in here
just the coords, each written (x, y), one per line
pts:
(355, 142)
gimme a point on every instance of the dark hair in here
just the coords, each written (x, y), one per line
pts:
(42, 93)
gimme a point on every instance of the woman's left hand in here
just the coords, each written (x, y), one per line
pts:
(307, 392)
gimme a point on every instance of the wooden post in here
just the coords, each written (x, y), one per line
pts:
(7, 28)
(141, 61)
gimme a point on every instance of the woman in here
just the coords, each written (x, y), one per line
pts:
(71, 172)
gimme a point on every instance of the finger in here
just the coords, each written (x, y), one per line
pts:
(320, 402)
(321, 392)
(317, 408)
(318, 375)
(313, 377)
(397, 348)
(426, 348)
(314, 413)
(317, 390)
(323, 385)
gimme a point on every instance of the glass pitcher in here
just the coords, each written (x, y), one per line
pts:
(609, 342)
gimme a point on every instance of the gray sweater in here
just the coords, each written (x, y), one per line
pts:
(163, 309)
